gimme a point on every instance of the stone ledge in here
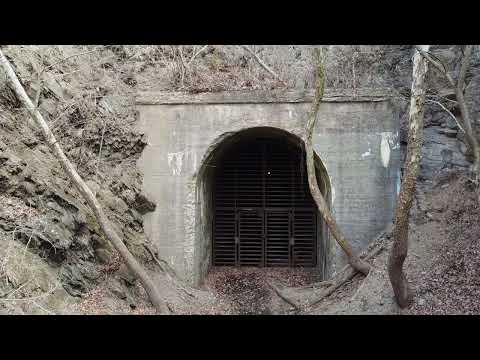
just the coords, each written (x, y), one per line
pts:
(260, 96)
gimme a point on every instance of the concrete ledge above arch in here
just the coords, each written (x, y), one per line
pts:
(260, 96)
(355, 137)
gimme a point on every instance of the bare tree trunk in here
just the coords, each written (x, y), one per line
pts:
(322, 205)
(105, 224)
(412, 166)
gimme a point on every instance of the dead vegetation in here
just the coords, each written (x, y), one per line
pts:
(249, 291)
(450, 284)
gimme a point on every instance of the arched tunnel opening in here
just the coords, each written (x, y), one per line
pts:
(255, 204)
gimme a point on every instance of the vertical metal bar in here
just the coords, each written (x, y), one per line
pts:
(264, 201)
(292, 182)
(291, 230)
(237, 238)
(237, 217)
(315, 239)
(214, 236)
(264, 238)
(263, 161)
(213, 221)
(291, 225)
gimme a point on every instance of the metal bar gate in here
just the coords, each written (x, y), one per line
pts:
(264, 213)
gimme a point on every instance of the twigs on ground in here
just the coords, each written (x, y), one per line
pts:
(32, 298)
(8, 293)
(69, 57)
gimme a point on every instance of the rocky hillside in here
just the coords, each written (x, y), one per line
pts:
(51, 248)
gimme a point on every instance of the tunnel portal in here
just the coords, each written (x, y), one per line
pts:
(206, 166)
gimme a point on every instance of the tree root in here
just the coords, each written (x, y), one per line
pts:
(162, 264)
(344, 276)
(330, 286)
(169, 272)
(284, 297)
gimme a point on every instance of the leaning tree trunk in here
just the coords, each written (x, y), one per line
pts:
(84, 190)
(322, 205)
(412, 166)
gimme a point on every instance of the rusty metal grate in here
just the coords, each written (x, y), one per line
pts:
(264, 213)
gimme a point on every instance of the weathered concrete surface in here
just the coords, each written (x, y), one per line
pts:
(356, 137)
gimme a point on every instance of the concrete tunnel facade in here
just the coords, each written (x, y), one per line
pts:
(357, 148)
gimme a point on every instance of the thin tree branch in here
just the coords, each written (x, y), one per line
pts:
(184, 66)
(39, 85)
(49, 292)
(262, 64)
(464, 67)
(448, 112)
(100, 150)
(443, 98)
(197, 53)
(13, 291)
(69, 57)
(437, 64)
